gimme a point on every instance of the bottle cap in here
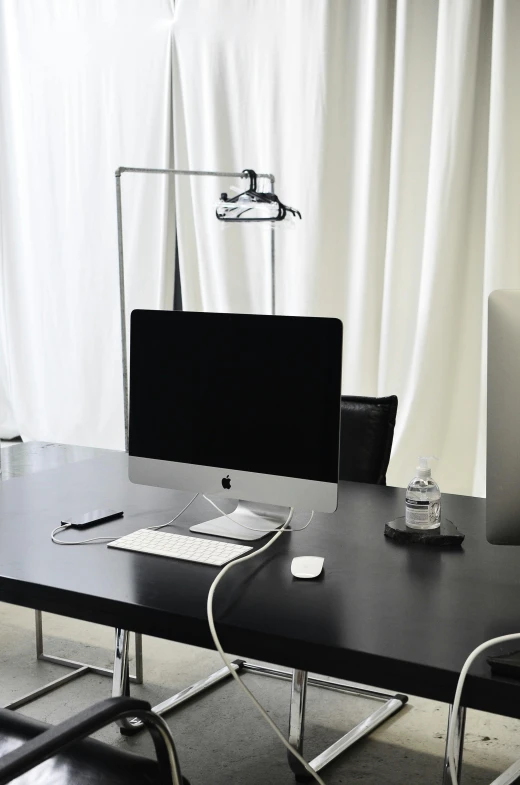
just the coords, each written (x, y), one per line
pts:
(423, 470)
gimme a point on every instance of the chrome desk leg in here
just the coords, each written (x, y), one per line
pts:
(79, 668)
(134, 725)
(39, 633)
(459, 745)
(138, 658)
(393, 702)
(52, 685)
(41, 655)
(120, 684)
(297, 719)
(300, 679)
(120, 681)
(510, 775)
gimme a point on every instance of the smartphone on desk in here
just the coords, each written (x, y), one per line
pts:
(92, 518)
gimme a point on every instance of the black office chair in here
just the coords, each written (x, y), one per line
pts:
(366, 436)
(62, 755)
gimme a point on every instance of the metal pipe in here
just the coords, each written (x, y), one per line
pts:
(348, 687)
(39, 633)
(182, 696)
(459, 745)
(120, 679)
(190, 173)
(193, 172)
(122, 303)
(138, 658)
(509, 776)
(362, 729)
(97, 669)
(273, 262)
(297, 719)
(52, 685)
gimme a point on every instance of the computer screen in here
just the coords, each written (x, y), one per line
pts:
(259, 394)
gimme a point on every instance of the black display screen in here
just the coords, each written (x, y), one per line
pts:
(253, 393)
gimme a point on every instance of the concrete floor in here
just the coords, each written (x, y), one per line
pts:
(221, 739)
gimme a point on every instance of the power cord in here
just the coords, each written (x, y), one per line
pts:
(458, 693)
(227, 662)
(251, 528)
(64, 526)
(211, 594)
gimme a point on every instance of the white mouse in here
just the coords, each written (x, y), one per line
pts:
(307, 566)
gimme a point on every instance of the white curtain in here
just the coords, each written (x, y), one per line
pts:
(85, 88)
(392, 126)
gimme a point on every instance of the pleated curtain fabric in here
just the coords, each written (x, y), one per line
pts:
(392, 126)
(85, 87)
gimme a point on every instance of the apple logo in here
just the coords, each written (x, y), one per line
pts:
(226, 483)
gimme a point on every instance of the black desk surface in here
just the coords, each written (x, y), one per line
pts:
(402, 618)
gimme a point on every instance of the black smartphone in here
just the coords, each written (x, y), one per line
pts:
(92, 518)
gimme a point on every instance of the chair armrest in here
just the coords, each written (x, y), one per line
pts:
(57, 738)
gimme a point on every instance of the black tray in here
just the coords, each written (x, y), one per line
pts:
(445, 536)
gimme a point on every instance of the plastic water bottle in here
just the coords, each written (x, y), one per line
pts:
(423, 498)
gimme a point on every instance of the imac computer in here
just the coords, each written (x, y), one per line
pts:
(237, 406)
(503, 418)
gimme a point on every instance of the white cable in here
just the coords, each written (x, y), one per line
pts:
(211, 622)
(162, 525)
(458, 693)
(235, 675)
(251, 528)
(64, 526)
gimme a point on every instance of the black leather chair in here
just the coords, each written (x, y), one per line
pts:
(39, 754)
(366, 436)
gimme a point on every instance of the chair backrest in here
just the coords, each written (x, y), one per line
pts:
(367, 433)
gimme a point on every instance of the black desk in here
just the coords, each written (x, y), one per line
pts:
(383, 614)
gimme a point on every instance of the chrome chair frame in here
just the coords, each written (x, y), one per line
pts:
(509, 777)
(57, 739)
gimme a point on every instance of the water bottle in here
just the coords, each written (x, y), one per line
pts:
(423, 498)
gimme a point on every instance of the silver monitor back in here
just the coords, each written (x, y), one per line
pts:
(237, 406)
(503, 418)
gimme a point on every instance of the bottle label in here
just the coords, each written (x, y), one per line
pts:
(418, 512)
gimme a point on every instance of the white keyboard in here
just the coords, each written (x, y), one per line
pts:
(177, 546)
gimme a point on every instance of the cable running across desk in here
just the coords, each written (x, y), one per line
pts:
(211, 622)
(64, 526)
(227, 662)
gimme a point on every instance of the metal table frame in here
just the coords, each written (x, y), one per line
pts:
(392, 702)
(77, 668)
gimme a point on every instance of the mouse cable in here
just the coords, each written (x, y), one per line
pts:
(64, 526)
(251, 528)
(458, 693)
(224, 657)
